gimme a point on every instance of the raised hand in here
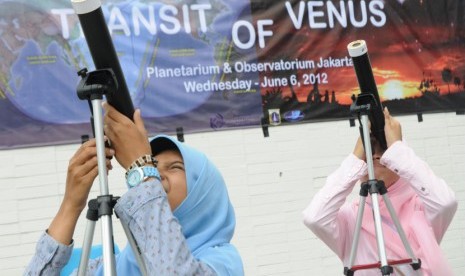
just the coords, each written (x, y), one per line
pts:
(392, 128)
(128, 138)
(82, 171)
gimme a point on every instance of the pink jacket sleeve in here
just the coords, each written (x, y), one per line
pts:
(324, 215)
(439, 200)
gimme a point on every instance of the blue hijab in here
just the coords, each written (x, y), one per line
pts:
(206, 214)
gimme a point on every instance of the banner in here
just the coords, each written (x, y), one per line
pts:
(214, 64)
(415, 47)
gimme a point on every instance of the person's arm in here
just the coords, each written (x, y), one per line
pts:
(82, 170)
(157, 232)
(50, 257)
(439, 200)
(55, 246)
(324, 216)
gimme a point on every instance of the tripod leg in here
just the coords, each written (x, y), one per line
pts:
(107, 229)
(88, 237)
(400, 231)
(358, 225)
(385, 268)
(135, 249)
(108, 246)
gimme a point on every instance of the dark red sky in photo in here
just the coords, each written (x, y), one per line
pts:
(418, 41)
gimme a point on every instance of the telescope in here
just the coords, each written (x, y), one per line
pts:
(358, 51)
(103, 52)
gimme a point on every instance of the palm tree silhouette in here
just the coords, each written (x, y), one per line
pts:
(457, 82)
(447, 76)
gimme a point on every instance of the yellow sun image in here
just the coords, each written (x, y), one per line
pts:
(392, 89)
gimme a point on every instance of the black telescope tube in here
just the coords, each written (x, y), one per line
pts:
(103, 51)
(359, 52)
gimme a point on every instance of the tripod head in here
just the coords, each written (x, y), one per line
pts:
(365, 105)
(95, 84)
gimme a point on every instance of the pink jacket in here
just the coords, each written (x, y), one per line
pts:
(424, 204)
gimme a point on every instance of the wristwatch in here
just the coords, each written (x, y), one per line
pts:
(138, 175)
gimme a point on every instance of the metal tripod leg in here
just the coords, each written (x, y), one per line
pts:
(358, 225)
(92, 217)
(385, 268)
(135, 249)
(85, 254)
(416, 263)
(107, 229)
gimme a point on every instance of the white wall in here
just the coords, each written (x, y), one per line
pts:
(270, 180)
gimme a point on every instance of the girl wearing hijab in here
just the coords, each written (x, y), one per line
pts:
(179, 211)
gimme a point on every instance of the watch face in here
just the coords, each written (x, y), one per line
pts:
(134, 177)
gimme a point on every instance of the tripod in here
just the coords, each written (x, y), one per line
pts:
(362, 106)
(92, 87)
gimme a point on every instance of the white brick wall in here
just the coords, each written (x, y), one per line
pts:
(270, 181)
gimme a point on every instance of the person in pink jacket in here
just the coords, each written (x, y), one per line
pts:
(423, 202)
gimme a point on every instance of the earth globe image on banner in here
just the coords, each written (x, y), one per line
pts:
(44, 48)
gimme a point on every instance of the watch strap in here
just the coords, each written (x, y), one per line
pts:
(142, 161)
(150, 171)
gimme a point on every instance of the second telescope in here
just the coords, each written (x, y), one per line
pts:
(358, 51)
